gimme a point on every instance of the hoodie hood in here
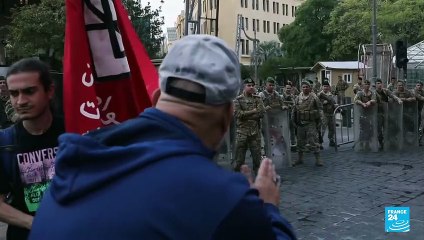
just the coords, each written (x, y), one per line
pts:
(85, 164)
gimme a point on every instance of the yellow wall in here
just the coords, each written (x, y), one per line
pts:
(227, 23)
(339, 72)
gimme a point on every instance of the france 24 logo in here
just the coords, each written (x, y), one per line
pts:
(397, 219)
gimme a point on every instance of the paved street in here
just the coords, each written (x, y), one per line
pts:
(346, 198)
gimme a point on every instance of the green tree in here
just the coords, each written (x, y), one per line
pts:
(38, 30)
(267, 50)
(269, 68)
(246, 71)
(402, 19)
(350, 24)
(148, 25)
(304, 40)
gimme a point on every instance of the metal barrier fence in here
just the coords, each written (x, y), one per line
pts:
(343, 115)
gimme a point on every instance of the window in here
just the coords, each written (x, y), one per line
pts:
(242, 3)
(254, 24)
(247, 24)
(204, 28)
(264, 26)
(267, 5)
(257, 4)
(214, 4)
(210, 4)
(246, 2)
(263, 5)
(243, 50)
(275, 26)
(287, 9)
(253, 4)
(242, 22)
(247, 47)
(347, 77)
(327, 75)
(213, 22)
(278, 27)
(267, 26)
(284, 9)
(273, 7)
(257, 24)
(277, 7)
(293, 11)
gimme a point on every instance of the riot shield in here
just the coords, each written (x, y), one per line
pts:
(393, 126)
(410, 124)
(365, 128)
(225, 152)
(276, 128)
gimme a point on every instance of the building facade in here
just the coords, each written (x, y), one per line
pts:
(264, 16)
(171, 37)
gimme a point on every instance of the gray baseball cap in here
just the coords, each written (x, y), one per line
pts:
(207, 61)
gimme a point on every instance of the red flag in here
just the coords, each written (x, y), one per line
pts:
(108, 76)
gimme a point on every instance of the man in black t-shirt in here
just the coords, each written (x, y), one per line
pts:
(28, 167)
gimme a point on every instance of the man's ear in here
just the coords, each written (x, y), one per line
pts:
(155, 97)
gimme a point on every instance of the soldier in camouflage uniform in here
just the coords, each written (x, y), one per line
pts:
(358, 86)
(382, 95)
(419, 95)
(317, 86)
(294, 90)
(365, 98)
(341, 87)
(329, 105)
(249, 109)
(404, 94)
(270, 97)
(392, 85)
(307, 116)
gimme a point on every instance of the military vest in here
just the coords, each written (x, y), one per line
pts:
(382, 96)
(307, 108)
(328, 107)
(404, 94)
(271, 99)
(365, 98)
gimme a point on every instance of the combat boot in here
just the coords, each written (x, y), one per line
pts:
(299, 160)
(318, 162)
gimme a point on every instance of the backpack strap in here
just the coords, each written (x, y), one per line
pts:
(8, 146)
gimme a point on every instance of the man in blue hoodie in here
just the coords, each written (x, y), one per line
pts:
(153, 177)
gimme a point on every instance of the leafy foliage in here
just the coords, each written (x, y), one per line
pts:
(268, 50)
(148, 25)
(38, 29)
(304, 40)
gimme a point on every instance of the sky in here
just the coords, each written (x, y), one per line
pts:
(170, 10)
